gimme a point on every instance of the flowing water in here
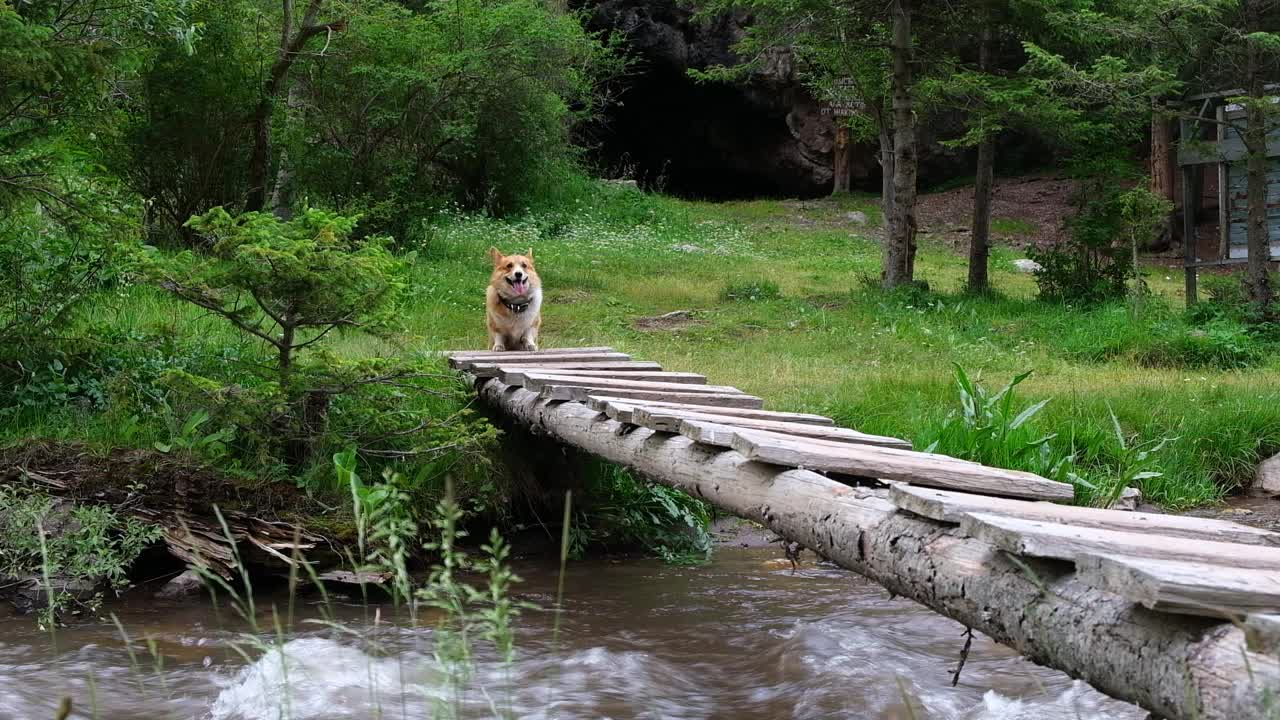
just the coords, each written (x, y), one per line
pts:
(743, 637)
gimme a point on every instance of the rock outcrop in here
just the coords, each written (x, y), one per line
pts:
(763, 135)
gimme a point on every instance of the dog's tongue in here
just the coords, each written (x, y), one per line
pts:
(519, 286)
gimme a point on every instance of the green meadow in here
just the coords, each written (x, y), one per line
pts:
(780, 299)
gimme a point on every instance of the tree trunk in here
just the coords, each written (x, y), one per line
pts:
(840, 159)
(1255, 139)
(291, 43)
(1179, 668)
(980, 242)
(1162, 171)
(886, 173)
(282, 193)
(984, 180)
(900, 244)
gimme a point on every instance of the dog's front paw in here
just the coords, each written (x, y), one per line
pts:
(531, 346)
(499, 347)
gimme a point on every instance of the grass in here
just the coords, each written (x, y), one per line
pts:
(785, 295)
(827, 341)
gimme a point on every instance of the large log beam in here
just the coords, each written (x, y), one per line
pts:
(1177, 667)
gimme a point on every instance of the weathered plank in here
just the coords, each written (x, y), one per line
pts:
(624, 368)
(538, 359)
(1262, 633)
(1184, 588)
(584, 394)
(621, 408)
(887, 463)
(668, 420)
(951, 507)
(517, 376)
(536, 380)
(473, 354)
(1068, 542)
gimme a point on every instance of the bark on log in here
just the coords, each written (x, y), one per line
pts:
(1178, 668)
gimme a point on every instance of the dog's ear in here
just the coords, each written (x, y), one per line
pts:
(495, 255)
(529, 255)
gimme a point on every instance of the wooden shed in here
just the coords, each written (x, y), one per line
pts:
(1210, 140)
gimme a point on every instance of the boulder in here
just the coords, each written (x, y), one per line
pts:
(186, 584)
(856, 217)
(1027, 266)
(1130, 499)
(1266, 480)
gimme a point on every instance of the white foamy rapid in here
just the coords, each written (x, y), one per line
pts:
(318, 678)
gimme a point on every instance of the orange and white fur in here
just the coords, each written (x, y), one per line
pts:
(513, 302)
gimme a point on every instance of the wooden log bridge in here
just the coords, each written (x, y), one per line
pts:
(1179, 615)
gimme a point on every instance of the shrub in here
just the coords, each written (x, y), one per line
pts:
(627, 512)
(1219, 343)
(1097, 261)
(469, 101)
(290, 284)
(52, 258)
(66, 546)
(993, 429)
(751, 290)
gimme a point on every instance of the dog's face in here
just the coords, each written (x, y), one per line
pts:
(513, 275)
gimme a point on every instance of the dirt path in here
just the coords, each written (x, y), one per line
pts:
(1026, 211)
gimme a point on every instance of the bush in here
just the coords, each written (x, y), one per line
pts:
(993, 429)
(290, 284)
(751, 290)
(1096, 263)
(52, 258)
(630, 513)
(470, 102)
(67, 547)
(1218, 343)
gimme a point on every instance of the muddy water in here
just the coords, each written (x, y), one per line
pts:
(742, 638)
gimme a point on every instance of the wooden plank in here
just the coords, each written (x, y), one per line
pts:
(951, 507)
(535, 381)
(1069, 542)
(708, 433)
(916, 468)
(473, 354)
(623, 367)
(668, 420)
(622, 407)
(531, 359)
(1183, 588)
(584, 394)
(517, 376)
(1262, 633)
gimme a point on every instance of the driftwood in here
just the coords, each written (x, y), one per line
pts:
(191, 530)
(1176, 667)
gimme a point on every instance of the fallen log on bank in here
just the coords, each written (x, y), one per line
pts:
(177, 496)
(1177, 667)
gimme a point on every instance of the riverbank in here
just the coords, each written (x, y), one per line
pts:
(778, 298)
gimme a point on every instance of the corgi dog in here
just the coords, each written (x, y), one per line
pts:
(513, 302)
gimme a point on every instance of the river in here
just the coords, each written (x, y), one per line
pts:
(743, 637)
